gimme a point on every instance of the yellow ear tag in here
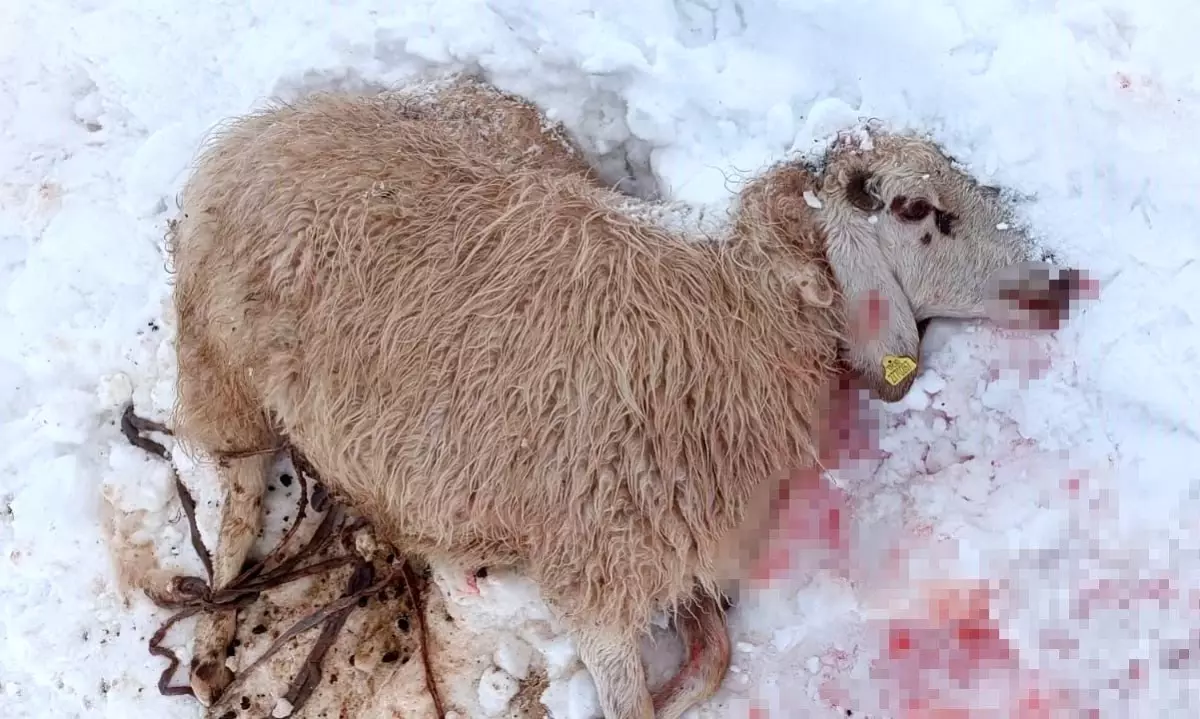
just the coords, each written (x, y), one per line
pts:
(897, 369)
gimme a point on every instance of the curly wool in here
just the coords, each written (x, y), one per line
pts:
(493, 356)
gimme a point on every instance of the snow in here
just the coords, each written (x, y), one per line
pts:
(1057, 472)
(513, 656)
(496, 690)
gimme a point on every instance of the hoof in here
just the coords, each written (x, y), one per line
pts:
(209, 679)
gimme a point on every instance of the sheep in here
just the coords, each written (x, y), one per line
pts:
(497, 359)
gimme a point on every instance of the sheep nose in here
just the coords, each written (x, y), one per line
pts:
(1038, 296)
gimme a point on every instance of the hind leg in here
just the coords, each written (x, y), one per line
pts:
(217, 414)
(701, 626)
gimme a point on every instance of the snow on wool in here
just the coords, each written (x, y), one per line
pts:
(1025, 536)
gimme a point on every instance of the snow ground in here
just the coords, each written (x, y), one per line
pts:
(1059, 470)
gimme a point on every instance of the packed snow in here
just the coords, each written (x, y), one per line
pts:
(1026, 543)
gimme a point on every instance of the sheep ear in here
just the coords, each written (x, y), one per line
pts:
(991, 191)
(883, 341)
(861, 193)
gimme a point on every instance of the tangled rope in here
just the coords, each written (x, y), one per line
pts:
(189, 596)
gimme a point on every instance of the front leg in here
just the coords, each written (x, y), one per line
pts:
(241, 519)
(613, 658)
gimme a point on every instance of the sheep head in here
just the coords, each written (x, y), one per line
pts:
(908, 233)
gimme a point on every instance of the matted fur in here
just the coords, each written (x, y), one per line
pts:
(488, 355)
(500, 361)
(493, 362)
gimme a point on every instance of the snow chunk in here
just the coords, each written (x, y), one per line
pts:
(283, 708)
(150, 174)
(585, 702)
(558, 653)
(575, 698)
(496, 690)
(780, 124)
(115, 389)
(825, 118)
(514, 656)
(930, 382)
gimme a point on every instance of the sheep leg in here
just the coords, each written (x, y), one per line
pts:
(218, 413)
(241, 518)
(614, 659)
(705, 636)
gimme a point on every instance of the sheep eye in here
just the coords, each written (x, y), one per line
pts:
(911, 210)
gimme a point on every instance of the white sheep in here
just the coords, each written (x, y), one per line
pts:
(498, 360)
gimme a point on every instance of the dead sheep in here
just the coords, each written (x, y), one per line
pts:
(501, 362)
